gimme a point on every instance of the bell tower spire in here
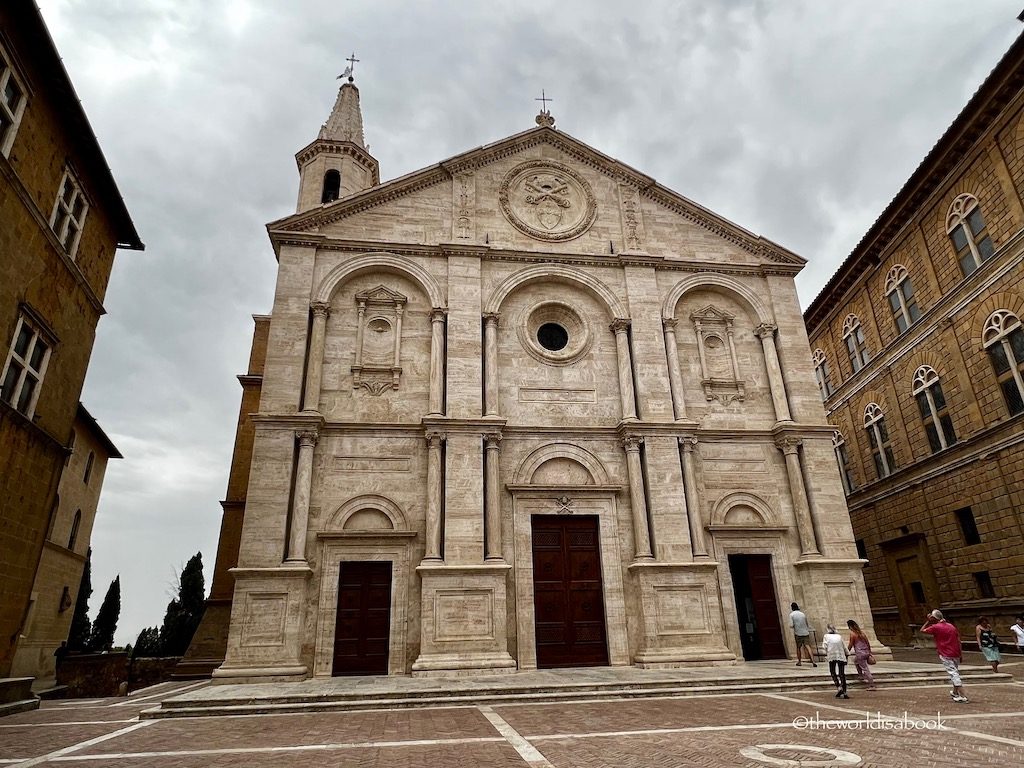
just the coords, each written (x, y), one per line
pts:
(338, 163)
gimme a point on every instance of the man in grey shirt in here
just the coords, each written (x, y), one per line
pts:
(802, 632)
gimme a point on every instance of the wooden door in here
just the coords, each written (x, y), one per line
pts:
(568, 594)
(363, 627)
(766, 607)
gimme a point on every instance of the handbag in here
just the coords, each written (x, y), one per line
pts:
(871, 659)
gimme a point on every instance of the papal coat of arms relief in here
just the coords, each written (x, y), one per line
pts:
(547, 200)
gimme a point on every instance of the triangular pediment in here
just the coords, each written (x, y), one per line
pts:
(575, 152)
(382, 295)
(712, 314)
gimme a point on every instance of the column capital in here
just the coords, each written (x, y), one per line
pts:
(688, 443)
(435, 437)
(320, 308)
(437, 314)
(620, 325)
(669, 322)
(788, 444)
(491, 318)
(307, 437)
(492, 440)
(765, 331)
(632, 443)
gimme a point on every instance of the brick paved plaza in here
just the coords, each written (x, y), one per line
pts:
(712, 730)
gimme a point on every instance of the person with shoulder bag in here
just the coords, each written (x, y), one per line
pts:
(862, 656)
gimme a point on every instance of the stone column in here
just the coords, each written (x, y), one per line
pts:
(693, 515)
(492, 502)
(437, 315)
(491, 364)
(619, 327)
(637, 499)
(435, 492)
(315, 356)
(300, 498)
(766, 332)
(675, 376)
(805, 526)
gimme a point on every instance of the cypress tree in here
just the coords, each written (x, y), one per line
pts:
(185, 611)
(102, 637)
(78, 635)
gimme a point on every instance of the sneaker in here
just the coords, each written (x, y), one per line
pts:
(952, 695)
(844, 696)
(839, 694)
(813, 664)
(961, 699)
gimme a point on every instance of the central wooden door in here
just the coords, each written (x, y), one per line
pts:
(362, 630)
(568, 596)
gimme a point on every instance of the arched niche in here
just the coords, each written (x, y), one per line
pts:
(553, 272)
(368, 513)
(742, 510)
(736, 289)
(380, 262)
(544, 462)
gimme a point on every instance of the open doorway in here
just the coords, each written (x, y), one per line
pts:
(757, 609)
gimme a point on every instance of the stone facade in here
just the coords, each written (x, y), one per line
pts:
(940, 520)
(529, 340)
(48, 153)
(67, 544)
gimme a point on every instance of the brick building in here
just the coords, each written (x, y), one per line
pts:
(59, 575)
(919, 352)
(61, 221)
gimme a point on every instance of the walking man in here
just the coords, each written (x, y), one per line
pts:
(802, 633)
(947, 643)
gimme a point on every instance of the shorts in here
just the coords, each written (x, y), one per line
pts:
(991, 654)
(952, 667)
(802, 640)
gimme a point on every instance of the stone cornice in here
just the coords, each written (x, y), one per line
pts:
(488, 253)
(288, 421)
(328, 146)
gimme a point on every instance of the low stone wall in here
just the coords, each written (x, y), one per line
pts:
(92, 675)
(150, 671)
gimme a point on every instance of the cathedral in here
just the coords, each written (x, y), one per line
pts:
(524, 408)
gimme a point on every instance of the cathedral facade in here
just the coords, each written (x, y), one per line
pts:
(524, 408)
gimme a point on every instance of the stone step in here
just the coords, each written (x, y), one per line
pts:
(16, 695)
(351, 701)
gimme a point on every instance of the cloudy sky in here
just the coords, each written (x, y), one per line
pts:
(798, 119)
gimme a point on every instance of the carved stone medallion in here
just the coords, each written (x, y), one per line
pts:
(547, 200)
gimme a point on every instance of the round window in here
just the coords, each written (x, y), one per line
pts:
(552, 336)
(554, 333)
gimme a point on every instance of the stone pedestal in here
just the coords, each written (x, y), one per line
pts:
(681, 615)
(833, 592)
(267, 616)
(463, 620)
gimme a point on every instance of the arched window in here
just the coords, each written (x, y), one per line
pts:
(332, 186)
(902, 301)
(1003, 338)
(966, 228)
(88, 467)
(853, 335)
(821, 373)
(839, 444)
(73, 538)
(878, 436)
(932, 404)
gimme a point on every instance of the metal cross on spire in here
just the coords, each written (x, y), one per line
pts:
(350, 68)
(544, 118)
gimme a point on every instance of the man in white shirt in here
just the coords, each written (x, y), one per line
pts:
(802, 633)
(1018, 631)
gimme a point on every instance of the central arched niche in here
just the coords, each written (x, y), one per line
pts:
(561, 464)
(370, 512)
(578, 381)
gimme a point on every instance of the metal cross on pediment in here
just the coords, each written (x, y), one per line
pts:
(543, 101)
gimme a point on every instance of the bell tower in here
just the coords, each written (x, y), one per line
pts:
(337, 164)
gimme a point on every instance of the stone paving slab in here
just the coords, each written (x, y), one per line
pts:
(299, 730)
(631, 715)
(927, 700)
(25, 741)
